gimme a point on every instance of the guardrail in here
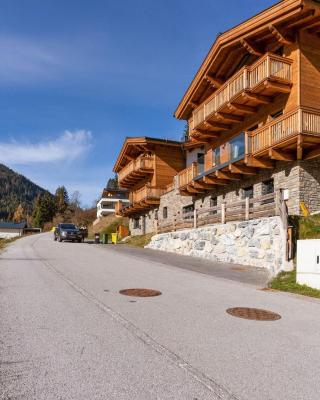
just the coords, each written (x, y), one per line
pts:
(301, 121)
(269, 66)
(187, 175)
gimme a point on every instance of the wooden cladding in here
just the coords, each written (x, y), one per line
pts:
(186, 176)
(136, 170)
(270, 66)
(145, 193)
(299, 122)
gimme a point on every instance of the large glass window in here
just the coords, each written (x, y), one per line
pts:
(237, 146)
(200, 160)
(230, 151)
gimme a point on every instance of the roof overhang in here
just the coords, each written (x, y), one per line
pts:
(284, 14)
(134, 146)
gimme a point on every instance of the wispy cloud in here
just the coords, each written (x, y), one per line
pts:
(68, 146)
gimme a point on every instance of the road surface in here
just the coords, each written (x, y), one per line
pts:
(67, 333)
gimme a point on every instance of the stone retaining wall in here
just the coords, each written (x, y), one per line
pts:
(259, 243)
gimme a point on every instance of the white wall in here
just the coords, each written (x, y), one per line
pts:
(8, 235)
(191, 156)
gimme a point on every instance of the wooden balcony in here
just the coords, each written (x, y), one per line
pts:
(142, 200)
(185, 179)
(136, 170)
(240, 96)
(295, 135)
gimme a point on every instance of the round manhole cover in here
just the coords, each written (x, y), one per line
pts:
(255, 314)
(140, 292)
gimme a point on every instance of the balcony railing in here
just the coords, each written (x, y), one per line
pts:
(269, 66)
(301, 121)
(144, 163)
(229, 152)
(186, 176)
(145, 193)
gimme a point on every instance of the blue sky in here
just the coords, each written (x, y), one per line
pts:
(77, 77)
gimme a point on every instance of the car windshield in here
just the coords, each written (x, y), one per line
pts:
(67, 226)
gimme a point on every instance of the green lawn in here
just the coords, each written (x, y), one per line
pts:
(286, 282)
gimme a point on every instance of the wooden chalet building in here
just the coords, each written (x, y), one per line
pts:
(253, 111)
(146, 167)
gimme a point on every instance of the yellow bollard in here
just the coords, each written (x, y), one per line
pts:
(114, 238)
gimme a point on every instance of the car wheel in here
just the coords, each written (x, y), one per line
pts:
(79, 240)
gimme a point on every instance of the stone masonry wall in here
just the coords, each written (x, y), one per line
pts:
(259, 243)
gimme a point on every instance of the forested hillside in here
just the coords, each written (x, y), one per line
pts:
(15, 189)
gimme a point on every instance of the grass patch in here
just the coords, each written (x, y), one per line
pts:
(286, 282)
(139, 241)
(307, 227)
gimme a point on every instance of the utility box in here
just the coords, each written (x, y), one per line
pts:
(308, 263)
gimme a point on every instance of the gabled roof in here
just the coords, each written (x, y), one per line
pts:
(12, 225)
(134, 146)
(244, 43)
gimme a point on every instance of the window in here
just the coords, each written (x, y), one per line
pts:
(187, 211)
(276, 114)
(213, 203)
(268, 188)
(248, 192)
(165, 212)
(237, 146)
(216, 156)
(136, 223)
(200, 160)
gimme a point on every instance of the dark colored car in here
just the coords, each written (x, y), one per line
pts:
(68, 232)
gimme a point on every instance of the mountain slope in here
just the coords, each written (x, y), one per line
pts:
(16, 189)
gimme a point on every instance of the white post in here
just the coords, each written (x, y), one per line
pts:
(195, 218)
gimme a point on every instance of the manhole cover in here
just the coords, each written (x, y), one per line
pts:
(253, 314)
(140, 292)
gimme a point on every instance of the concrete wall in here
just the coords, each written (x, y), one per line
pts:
(259, 243)
(9, 235)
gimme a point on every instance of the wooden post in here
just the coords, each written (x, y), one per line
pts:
(245, 78)
(195, 218)
(223, 213)
(247, 212)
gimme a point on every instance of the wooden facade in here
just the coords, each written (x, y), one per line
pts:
(256, 97)
(146, 167)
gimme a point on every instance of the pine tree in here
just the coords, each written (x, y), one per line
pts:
(113, 183)
(44, 210)
(61, 199)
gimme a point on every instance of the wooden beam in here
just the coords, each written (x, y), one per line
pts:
(314, 29)
(302, 20)
(210, 134)
(251, 48)
(281, 36)
(259, 163)
(192, 190)
(214, 181)
(257, 97)
(203, 185)
(228, 117)
(242, 169)
(309, 155)
(279, 155)
(217, 126)
(279, 87)
(216, 82)
(242, 108)
(193, 104)
(228, 175)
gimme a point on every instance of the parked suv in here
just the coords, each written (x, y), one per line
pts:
(67, 232)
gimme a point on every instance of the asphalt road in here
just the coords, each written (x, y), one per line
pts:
(67, 333)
